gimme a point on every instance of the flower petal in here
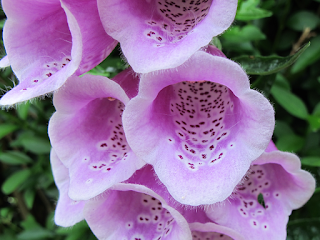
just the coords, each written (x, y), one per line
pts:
(4, 62)
(212, 231)
(132, 211)
(200, 136)
(164, 34)
(56, 42)
(68, 212)
(87, 134)
(96, 43)
(261, 204)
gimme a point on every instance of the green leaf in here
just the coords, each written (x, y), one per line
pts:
(248, 10)
(264, 83)
(314, 122)
(247, 33)
(30, 223)
(76, 227)
(13, 157)
(316, 110)
(311, 55)
(290, 143)
(290, 102)
(282, 128)
(29, 196)
(36, 145)
(2, 23)
(311, 161)
(282, 82)
(34, 234)
(23, 110)
(6, 129)
(259, 65)
(15, 180)
(302, 20)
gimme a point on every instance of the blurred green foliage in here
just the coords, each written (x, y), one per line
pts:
(265, 39)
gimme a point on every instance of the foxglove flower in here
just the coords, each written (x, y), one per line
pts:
(87, 134)
(277, 179)
(132, 209)
(201, 226)
(68, 212)
(49, 40)
(163, 34)
(200, 126)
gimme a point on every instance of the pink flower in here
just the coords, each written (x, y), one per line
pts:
(68, 212)
(200, 126)
(163, 34)
(141, 207)
(277, 179)
(49, 40)
(87, 135)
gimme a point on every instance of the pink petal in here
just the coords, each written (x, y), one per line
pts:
(200, 136)
(164, 34)
(201, 226)
(132, 211)
(212, 231)
(57, 42)
(97, 44)
(87, 134)
(68, 212)
(4, 62)
(278, 177)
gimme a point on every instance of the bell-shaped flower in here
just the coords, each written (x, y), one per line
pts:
(87, 135)
(131, 211)
(261, 204)
(200, 126)
(68, 212)
(49, 40)
(136, 209)
(163, 34)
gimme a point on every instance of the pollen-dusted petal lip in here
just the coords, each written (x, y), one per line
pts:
(260, 206)
(87, 134)
(58, 40)
(132, 211)
(200, 137)
(68, 212)
(163, 34)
